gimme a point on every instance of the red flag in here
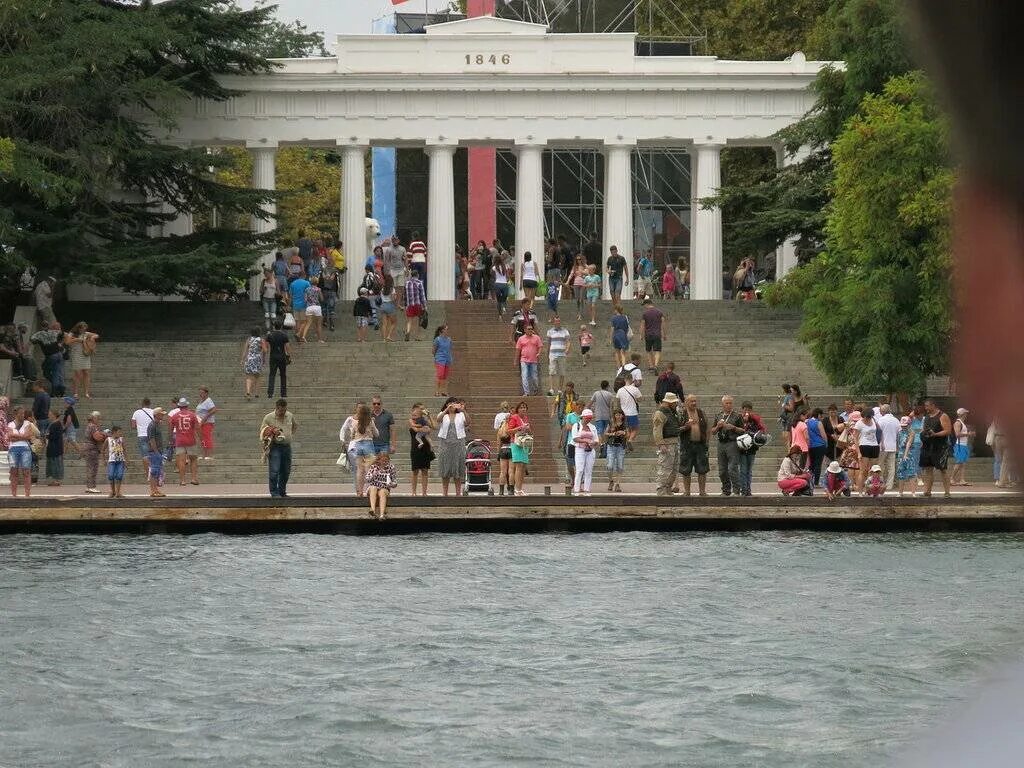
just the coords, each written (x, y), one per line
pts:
(398, 2)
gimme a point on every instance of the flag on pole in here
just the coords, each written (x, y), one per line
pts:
(398, 2)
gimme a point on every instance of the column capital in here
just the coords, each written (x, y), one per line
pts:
(352, 142)
(441, 147)
(619, 143)
(529, 143)
(261, 144)
(709, 142)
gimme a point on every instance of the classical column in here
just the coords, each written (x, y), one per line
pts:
(706, 249)
(441, 222)
(618, 209)
(785, 255)
(353, 214)
(529, 206)
(264, 157)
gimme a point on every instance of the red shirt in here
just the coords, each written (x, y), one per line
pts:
(184, 424)
(515, 421)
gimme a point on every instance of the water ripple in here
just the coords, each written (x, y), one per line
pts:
(774, 650)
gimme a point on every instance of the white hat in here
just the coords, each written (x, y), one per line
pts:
(183, 402)
(875, 468)
(835, 468)
(670, 397)
(587, 413)
(363, 292)
(961, 411)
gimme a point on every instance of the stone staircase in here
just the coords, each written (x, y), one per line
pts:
(162, 351)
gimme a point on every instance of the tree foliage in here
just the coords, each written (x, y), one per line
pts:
(877, 302)
(88, 88)
(308, 186)
(774, 204)
(285, 40)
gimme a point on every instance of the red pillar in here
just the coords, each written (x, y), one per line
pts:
(483, 177)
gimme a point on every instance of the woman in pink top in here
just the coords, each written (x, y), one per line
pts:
(799, 438)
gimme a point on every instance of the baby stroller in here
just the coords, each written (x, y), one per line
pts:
(478, 467)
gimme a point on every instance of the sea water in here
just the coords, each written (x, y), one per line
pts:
(633, 649)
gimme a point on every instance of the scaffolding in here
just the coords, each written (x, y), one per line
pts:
(574, 178)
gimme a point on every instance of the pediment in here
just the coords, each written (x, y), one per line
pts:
(487, 25)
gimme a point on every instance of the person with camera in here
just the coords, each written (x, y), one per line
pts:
(728, 426)
(753, 425)
(935, 446)
(276, 432)
(453, 423)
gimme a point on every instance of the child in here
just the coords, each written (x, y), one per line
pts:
(668, 284)
(71, 425)
(552, 296)
(55, 449)
(362, 311)
(874, 485)
(586, 341)
(115, 462)
(837, 482)
(381, 477)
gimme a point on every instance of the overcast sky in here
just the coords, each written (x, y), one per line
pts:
(350, 16)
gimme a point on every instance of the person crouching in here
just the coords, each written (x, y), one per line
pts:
(793, 480)
(837, 482)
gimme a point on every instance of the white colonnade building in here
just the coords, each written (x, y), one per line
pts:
(494, 82)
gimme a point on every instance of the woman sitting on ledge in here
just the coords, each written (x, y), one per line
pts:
(381, 477)
(793, 480)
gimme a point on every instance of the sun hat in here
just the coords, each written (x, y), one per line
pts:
(875, 468)
(670, 397)
(587, 414)
(835, 468)
(961, 411)
(183, 402)
(854, 417)
(905, 421)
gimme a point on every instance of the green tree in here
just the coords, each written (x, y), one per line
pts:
(774, 204)
(308, 186)
(87, 87)
(284, 40)
(877, 302)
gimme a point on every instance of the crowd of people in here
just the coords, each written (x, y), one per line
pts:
(856, 449)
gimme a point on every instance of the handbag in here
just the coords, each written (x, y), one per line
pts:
(424, 319)
(343, 460)
(629, 331)
(289, 320)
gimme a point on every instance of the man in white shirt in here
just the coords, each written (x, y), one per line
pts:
(206, 411)
(559, 341)
(629, 397)
(890, 427)
(140, 423)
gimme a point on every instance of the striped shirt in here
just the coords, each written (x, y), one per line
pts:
(418, 250)
(558, 340)
(414, 293)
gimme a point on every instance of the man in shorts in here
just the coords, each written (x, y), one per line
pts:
(415, 304)
(185, 426)
(395, 263)
(155, 452)
(693, 446)
(652, 326)
(559, 341)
